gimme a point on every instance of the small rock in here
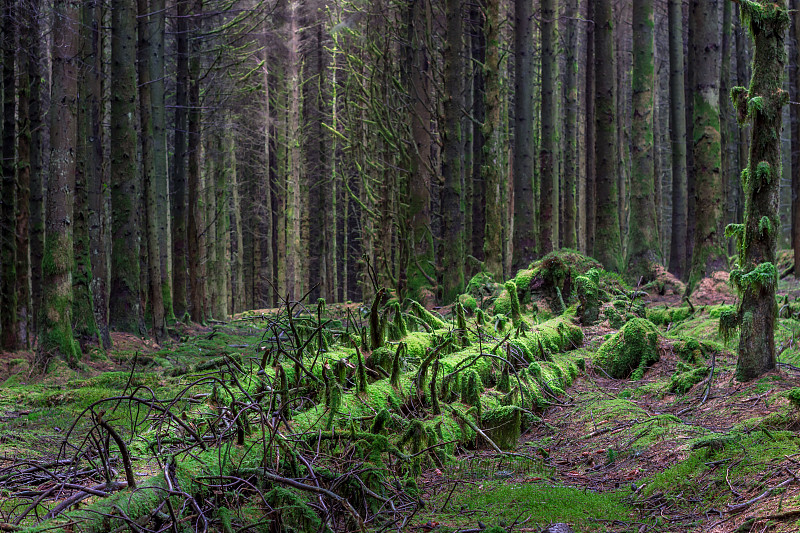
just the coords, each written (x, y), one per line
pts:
(559, 527)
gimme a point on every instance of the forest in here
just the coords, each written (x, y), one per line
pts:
(456, 266)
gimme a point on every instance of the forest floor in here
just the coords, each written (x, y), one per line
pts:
(607, 455)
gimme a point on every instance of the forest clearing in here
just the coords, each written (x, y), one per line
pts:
(495, 266)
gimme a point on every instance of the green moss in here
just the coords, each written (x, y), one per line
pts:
(469, 302)
(523, 280)
(765, 275)
(667, 315)
(426, 316)
(630, 351)
(502, 425)
(686, 377)
(511, 289)
(589, 296)
(502, 305)
(794, 397)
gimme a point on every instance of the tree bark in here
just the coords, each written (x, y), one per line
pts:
(795, 110)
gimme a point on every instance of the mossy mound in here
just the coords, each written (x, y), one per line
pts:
(502, 424)
(482, 285)
(469, 302)
(686, 377)
(630, 351)
(621, 312)
(668, 315)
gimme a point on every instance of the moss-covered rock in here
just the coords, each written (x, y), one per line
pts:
(469, 303)
(589, 294)
(630, 351)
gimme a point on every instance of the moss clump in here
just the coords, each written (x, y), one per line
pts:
(469, 303)
(511, 289)
(668, 315)
(686, 377)
(502, 425)
(502, 305)
(426, 316)
(793, 396)
(482, 285)
(589, 296)
(381, 358)
(763, 276)
(630, 351)
(523, 281)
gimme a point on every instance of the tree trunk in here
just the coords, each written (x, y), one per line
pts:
(677, 250)
(126, 313)
(8, 214)
(156, 36)
(478, 59)
(294, 280)
(607, 244)
(492, 167)
(708, 254)
(37, 173)
(643, 248)
(756, 277)
(27, 36)
(452, 252)
(524, 133)
(795, 96)
(571, 127)
(195, 231)
(150, 179)
(179, 212)
(590, 199)
(84, 325)
(548, 158)
(55, 328)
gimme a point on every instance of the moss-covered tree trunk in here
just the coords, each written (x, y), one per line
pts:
(126, 313)
(677, 117)
(607, 243)
(492, 167)
(55, 318)
(708, 254)
(8, 213)
(548, 152)
(756, 276)
(452, 250)
(524, 134)
(643, 248)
